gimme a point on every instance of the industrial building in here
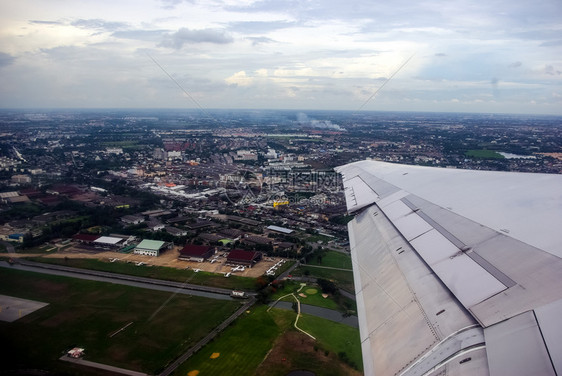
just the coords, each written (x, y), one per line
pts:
(199, 253)
(245, 258)
(151, 247)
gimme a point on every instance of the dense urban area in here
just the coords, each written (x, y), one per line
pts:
(248, 196)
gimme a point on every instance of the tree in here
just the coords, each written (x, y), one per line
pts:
(328, 287)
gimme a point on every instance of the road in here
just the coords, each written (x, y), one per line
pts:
(148, 283)
(328, 267)
(104, 367)
(175, 287)
(324, 313)
(172, 367)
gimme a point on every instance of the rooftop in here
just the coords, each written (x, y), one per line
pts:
(194, 250)
(240, 254)
(107, 240)
(153, 245)
(280, 229)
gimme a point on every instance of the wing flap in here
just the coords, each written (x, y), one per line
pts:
(461, 247)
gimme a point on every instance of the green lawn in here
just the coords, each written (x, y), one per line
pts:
(157, 272)
(484, 154)
(333, 259)
(44, 248)
(242, 346)
(311, 299)
(125, 144)
(87, 313)
(334, 337)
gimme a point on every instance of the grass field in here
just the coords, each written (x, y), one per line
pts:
(484, 154)
(311, 299)
(342, 278)
(333, 259)
(87, 313)
(295, 351)
(335, 337)
(125, 144)
(158, 272)
(41, 249)
(242, 346)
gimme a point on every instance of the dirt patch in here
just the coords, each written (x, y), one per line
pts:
(295, 351)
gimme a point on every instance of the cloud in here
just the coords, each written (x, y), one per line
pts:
(441, 54)
(6, 59)
(259, 27)
(99, 24)
(516, 64)
(147, 35)
(187, 36)
(552, 43)
(239, 79)
(172, 4)
(260, 40)
(42, 22)
(549, 69)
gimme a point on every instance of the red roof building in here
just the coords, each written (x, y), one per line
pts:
(85, 238)
(199, 253)
(241, 257)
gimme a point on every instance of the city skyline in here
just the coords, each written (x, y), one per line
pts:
(499, 57)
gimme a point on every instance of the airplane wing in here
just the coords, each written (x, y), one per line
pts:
(457, 272)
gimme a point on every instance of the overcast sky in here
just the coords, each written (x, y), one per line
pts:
(470, 56)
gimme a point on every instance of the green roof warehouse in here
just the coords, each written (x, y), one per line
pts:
(151, 247)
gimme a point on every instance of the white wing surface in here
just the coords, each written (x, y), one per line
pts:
(457, 272)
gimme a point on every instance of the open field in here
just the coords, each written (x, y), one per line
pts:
(484, 154)
(265, 343)
(242, 346)
(335, 337)
(342, 278)
(90, 314)
(296, 351)
(333, 259)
